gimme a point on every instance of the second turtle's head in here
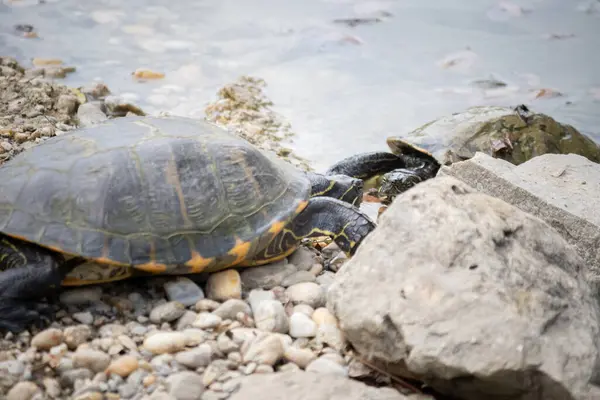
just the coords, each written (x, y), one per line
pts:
(342, 187)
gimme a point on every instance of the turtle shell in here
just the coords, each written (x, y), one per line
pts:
(513, 134)
(155, 193)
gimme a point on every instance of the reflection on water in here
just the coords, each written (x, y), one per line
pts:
(344, 87)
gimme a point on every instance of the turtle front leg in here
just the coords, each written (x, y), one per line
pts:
(29, 273)
(346, 224)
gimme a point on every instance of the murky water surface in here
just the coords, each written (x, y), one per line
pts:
(343, 88)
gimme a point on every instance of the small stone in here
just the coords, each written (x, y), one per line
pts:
(301, 325)
(23, 391)
(330, 250)
(127, 391)
(90, 395)
(266, 276)
(84, 317)
(316, 269)
(270, 316)
(47, 339)
(80, 296)
(201, 356)
(90, 114)
(127, 342)
(267, 349)
(69, 377)
(184, 291)
(323, 316)
(224, 285)
(38, 61)
(123, 366)
(306, 293)
(76, 335)
(300, 357)
(167, 312)
(298, 277)
(207, 305)
(324, 365)
(225, 344)
(143, 74)
(207, 321)
(304, 309)
(303, 258)
(67, 103)
(52, 387)
(112, 330)
(94, 360)
(264, 369)
(185, 385)
(186, 320)
(231, 308)
(165, 342)
(194, 336)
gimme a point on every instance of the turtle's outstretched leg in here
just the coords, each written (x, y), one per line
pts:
(346, 224)
(29, 273)
(342, 187)
(367, 165)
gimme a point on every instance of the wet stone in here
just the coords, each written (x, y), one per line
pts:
(90, 114)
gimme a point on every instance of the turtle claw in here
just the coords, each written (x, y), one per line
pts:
(18, 315)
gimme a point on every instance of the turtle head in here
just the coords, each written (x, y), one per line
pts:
(397, 182)
(341, 187)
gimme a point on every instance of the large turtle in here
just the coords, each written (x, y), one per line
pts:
(513, 134)
(151, 195)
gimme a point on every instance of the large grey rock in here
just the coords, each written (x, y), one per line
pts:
(300, 385)
(561, 189)
(473, 296)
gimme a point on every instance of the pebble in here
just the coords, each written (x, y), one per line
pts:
(165, 342)
(184, 291)
(167, 312)
(80, 296)
(47, 339)
(94, 360)
(194, 336)
(225, 344)
(298, 277)
(306, 293)
(186, 320)
(231, 308)
(207, 305)
(67, 103)
(303, 258)
(325, 279)
(123, 366)
(304, 309)
(267, 349)
(185, 385)
(316, 270)
(301, 325)
(69, 377)
(264, 369)
(84, 317)
(23, 391)
(52, 387)
(90, 114)
(224, 285)
(324, 365)
(267, 276)
(75, 335)
(322, 316)
(207, 321)
(300, 357)
(270, 316)
(201, 356)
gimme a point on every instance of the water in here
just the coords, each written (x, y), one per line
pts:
(344, 89)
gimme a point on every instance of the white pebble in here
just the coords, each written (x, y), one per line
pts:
(207, 321)
(301, 325)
